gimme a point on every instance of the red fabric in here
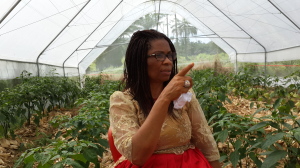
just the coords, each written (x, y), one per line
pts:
(115, 153)
(191, 158)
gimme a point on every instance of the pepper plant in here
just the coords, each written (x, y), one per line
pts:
(247, 141)
(33, 98)
(78, 154)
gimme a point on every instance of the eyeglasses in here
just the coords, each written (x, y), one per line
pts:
(161, 57)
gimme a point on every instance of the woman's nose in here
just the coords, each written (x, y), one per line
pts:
(167, 61)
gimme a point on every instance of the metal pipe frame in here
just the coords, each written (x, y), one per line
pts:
(192, 15)
(37, 60)
(243, 31)
(284, 15)
(158, 14)
(11, 9)
(26, 62)
(90, 35)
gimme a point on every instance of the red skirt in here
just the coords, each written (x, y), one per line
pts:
(189, 159)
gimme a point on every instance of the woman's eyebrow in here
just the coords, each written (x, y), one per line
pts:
(162, 52)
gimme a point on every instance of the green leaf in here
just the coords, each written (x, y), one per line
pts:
(272, 139)
(46, 159)
(234, 158)
(73, 163)
(291, 104)
(29, 165)
(103, 142)
(277, 103)
(90, 154)
(55, 157)
(72, 143)
(47, 165)
(29, 159)
(254, 146)
(228, 100)
(222, 96)
(42, 157)
(212, 118)
(257, 126)
(273, 158)
(77, 149)
(274, 125)
(222, 158)
(58, 165)
(288, 126)
(297, 136)
(29, 153)
(298, 121)
(257, 111)
(2, 117)
(251, 105)
(79, 157)
(293, 150)
(58, 134)
(237, 144)
(255, 159)
(222, 136)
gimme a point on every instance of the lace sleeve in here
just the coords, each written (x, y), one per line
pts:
(201, 134)
(123, 122)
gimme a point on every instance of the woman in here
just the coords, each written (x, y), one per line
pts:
(147, 130)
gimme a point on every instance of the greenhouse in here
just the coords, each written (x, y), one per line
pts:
(66, 57)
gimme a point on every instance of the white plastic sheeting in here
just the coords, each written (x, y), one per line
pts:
(68, 35)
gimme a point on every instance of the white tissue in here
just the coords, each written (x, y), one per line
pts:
(183, 98)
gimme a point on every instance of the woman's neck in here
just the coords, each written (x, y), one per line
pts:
(156, 89)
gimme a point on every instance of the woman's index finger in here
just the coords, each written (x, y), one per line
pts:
(185, 70)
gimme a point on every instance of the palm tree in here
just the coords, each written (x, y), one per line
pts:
(148, 21)
(116, 51)
(184, 29)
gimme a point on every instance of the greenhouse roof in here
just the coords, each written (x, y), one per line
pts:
(68, 35)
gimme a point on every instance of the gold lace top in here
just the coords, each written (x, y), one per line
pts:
(188, 131)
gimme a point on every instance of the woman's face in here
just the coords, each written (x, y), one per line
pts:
(159, 71)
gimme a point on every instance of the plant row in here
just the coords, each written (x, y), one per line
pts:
(246, 139)
(249, 141)
(79, 140)
(33, 98)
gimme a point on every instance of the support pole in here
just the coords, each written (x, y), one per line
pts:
(11, 9)
(37, 60)
(284, 15)
(91, 34)
(243, 31)
(158, 15)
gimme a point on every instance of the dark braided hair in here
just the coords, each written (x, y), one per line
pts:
(136, 78)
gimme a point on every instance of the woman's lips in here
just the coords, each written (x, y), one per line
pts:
(166, 72)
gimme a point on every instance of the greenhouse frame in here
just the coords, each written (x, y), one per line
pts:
(39, 35)
(65, 89)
